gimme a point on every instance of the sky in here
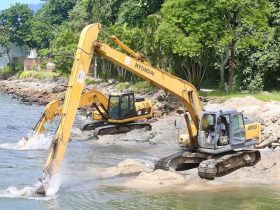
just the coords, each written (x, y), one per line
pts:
(4, 4)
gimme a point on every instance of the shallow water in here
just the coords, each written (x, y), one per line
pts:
(81, 188)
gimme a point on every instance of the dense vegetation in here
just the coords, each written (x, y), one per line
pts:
(209, 43)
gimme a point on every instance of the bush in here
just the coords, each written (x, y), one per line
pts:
(136, 87)
(10, 70)
(38, 75)
(89, 81)
(142, 86)
(122, 86)
(43, 65)
(6, 72)
(248, 79)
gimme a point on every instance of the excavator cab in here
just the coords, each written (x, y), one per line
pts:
(222, 131)
(121, 106)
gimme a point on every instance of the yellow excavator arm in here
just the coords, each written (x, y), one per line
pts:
(182, 89)
(54, 108)
(133, 62)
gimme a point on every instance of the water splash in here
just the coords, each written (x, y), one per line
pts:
(34, 142)
(53, 185)
(26, 192)
(15, 192)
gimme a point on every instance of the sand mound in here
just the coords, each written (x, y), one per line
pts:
(241, 102)
(265, 172)
(126, 167)
(155, 180)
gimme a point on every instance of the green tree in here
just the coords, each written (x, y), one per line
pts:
(55, 12)
(5, 42)
(245, 24)
(14, 25)
(40, 34)
(135, 12)
(259, 67)
(197, 31)
(62, 48)
(188, 36)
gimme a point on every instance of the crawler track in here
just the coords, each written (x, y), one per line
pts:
(209, 166)
(216, 167)
(120, 128)
(164, 162)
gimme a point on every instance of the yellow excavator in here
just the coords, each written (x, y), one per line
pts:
(216, 142)
(120, 113)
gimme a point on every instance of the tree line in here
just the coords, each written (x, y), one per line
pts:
(232, 43)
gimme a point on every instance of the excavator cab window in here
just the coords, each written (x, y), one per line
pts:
(127, 106)
(121, 107)
(238, 129)
(208, 123)
(114, 110)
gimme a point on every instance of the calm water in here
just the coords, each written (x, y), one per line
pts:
(81, 189)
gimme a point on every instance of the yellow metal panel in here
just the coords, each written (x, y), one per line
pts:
(253, 131)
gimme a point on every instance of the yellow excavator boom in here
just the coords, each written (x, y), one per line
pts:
(72, 98)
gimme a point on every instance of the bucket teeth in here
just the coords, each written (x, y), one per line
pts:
(40, 191)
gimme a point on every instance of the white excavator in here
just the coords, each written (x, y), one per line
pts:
(216, 150)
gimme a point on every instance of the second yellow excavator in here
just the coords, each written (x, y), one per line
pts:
(217, 140)
(118, 114)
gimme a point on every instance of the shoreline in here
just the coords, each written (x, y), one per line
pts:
(42, 92)
(33, 91)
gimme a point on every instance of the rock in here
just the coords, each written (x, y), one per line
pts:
(266, 93)
(59, 89)
(112, 81)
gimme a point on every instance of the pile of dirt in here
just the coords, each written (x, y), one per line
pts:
(267, 113)
(158, 179)
(126, 167)
(266, 172)
(164, 103)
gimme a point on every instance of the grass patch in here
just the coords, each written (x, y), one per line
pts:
(89, 81)
(9, 71)
(136, 87)
(6, 72)
(122, 86)
(262, 95)
(142, 86)
(38, 75)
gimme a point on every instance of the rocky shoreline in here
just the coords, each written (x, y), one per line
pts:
(42, 92)
(32, 91)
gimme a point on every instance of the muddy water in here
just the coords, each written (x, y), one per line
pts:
(81, 188)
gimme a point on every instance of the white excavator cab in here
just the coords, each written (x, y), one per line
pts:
(222, 131)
